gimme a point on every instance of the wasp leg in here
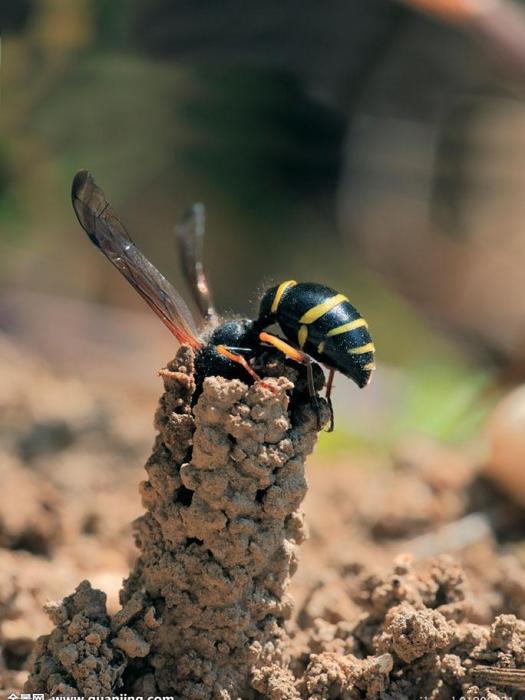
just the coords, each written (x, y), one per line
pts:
(298, 356)
(329, 384)
(234, 355)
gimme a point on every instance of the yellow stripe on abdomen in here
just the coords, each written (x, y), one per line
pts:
(321, 309)
(302, 336)
(358, 323)
(369, 347)
(279, 293)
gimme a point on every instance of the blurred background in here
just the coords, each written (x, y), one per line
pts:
(376, 146)
(359, 143)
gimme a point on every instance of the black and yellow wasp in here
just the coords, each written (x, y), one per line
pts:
(317, 321)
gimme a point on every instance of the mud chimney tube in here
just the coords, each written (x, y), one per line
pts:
(208, 594)
(207, 601)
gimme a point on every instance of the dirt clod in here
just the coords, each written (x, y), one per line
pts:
(77, 657)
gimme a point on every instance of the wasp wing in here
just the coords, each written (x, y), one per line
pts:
(190, 236)
(100, 222)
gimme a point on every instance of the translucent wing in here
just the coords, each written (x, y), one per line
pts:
(190, 236)
(100, 222)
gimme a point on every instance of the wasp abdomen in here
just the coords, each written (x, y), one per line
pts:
(324, 323)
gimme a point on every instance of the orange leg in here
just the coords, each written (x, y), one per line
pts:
(298, 356)
(235, 357)
(284, 347)
(294, 354)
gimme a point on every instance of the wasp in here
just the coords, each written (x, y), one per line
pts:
(318, 322)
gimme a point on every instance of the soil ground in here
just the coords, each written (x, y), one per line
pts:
(72, 452)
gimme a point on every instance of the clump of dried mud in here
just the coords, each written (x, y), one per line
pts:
(208, 597)
(413, 636)
(225, 482)
(206, 611)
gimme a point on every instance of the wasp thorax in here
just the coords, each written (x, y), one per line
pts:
(233, 332)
